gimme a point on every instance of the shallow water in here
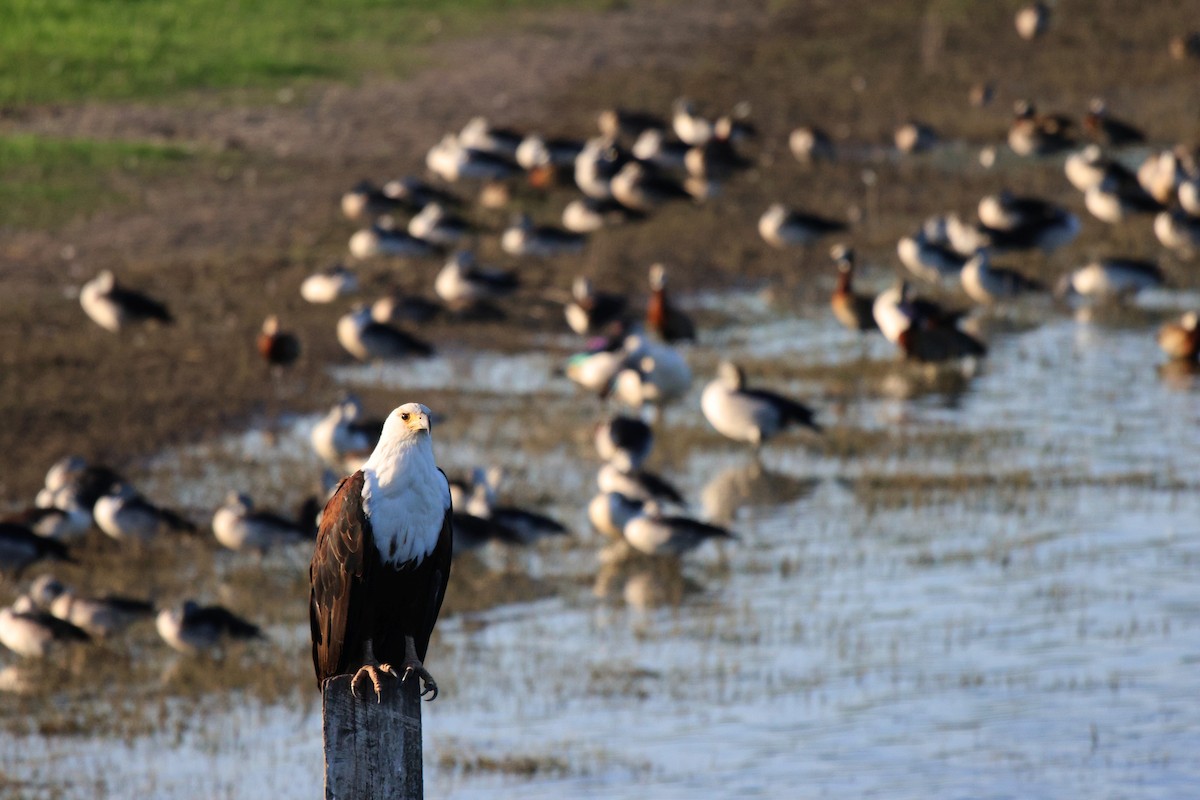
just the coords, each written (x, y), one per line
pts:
(991, 595)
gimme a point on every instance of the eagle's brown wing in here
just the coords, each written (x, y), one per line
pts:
(340, 564)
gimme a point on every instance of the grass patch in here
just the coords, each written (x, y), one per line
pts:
(63, 51)
(46, 182)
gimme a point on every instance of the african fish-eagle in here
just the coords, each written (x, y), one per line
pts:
(382, 560)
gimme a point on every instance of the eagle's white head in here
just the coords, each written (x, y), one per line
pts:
(406, 423)
(404, 494)
(405, 436)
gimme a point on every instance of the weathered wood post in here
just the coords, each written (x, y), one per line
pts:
(372, 750)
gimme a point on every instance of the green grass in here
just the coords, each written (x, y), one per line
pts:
(45, 182)
(67, 50)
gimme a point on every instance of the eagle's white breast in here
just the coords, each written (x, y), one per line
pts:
(406, 498)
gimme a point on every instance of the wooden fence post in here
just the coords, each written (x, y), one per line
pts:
(372, 750)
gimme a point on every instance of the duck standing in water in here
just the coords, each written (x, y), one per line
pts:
(853, 310)
(662, 318)
(750, 415)
(1180, 340)
(986, 284)
(655, 534)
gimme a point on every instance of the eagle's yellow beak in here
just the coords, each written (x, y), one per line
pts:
(418, 421)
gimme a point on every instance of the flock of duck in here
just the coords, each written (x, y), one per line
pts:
(635, 355)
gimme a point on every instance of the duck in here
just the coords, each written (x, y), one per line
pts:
(21, 547)
(365, 199)
(614, 123)
(649, 380)
(1160, 173)
(923, 330)
(654, 373)
(930, 340)
(1034, 134)
(113, 307)
(593, 312)
(750, 415)
(472, 532)
(279, 348)
(711, 162)
(1012, 222)
(639, 188)
(523, 238)
(1032, 20)
(1109, 279)
(637, 484)
(345, 437)
(654, 147)
(438, 225)
(31, 633)
(595, 370)
(1180, 340)
(1113, 203)
(537, 152)
(329, 284)
(238, 526)
(1089, 167)
(597, 163)
(1189, 194)
(587, 215)
(192, 629)
(452, 161)
(1178, 230)
(397, 307)
(930, 261)
(608, 513)
(416, 193)
(735, 127)
(624, 441)
(73, 481)
(99, 617)
(653, 533)
(691, 128)
(663, 319)
(809, 144)
(383, 239)
(65, 520)
(896, 310)
(368, 340)
(783, 227)
(986, 284)
(126, 516)
(914, 137)
(853, 311)
(960, 236)
(1106, 129)
(464, 284)
(891, 315)
(527, 526)
(479, 134)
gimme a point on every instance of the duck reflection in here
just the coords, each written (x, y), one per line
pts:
(950, 381)
(750, 484)
(1179, 374)
(640, 581)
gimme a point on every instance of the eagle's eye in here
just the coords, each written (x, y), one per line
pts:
(404, 416)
